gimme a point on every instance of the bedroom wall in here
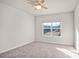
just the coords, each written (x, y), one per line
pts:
(67, 34)
(76, 22)
(16, 28)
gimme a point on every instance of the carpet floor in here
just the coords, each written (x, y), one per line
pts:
(41, 50)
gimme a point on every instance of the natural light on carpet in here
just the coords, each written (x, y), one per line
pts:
(67, 52)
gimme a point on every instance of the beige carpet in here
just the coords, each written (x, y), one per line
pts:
(40, 50)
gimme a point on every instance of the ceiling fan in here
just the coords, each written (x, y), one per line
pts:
(37, 4)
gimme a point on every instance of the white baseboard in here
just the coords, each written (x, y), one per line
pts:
(56, 43)
(15, 47)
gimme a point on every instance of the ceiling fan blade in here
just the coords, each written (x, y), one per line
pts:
(44, 7)
(40, 1)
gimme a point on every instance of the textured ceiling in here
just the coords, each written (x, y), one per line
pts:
(54, 6)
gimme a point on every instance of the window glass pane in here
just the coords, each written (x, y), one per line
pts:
(56, 29)
(47, 29)
(47, 25)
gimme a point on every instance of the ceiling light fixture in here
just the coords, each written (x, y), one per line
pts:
(37, 4)
(37, 7)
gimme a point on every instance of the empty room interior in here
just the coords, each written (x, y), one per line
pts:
(39, 28)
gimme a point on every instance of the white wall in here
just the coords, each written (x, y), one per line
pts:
(77, 27)
(16, 28)
(66, 32)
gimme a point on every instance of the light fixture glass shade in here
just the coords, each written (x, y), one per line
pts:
(38, 7)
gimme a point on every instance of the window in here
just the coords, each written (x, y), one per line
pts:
(52, 29)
